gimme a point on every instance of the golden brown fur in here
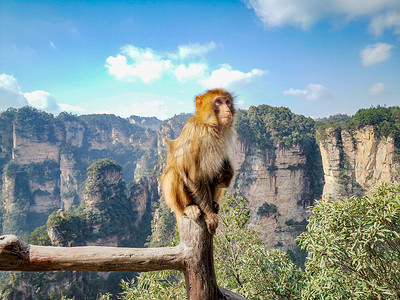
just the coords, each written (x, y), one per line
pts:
(198, 161)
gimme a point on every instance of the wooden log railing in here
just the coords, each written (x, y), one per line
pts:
(193, 256)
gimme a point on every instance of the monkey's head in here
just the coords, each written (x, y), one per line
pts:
(215, 108)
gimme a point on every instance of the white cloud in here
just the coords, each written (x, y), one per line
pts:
(10, 93)
(355, 8)
(390, 20)
(44, 101)
(193, 71)
(192, 50)
(275, 13)
(226, 77)
(311, 92)
(375, 54)
(378, 89)
(71, 108)
(305, 13)
(144, 64)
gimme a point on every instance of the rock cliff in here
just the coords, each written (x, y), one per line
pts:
(278, 171)
(46, 160)
(355, 162)
(276, 179)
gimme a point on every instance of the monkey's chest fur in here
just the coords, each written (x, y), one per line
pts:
(202, 150)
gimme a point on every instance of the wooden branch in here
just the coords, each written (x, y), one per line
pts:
(193, 256)
(15, 255)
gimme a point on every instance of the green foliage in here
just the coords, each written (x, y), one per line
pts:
(97, 184)
(124, 142)
(11, 169)
(29, 122)
(48, 170)
(21, 220)
(6, 136)
(325, 129)
(113, 212)
(14, 222)
(385, 120)
(292, 222)
(181, 119)
(163, 227)
(51, 285)
(353, 247)
(101, 166)
(7, 116)
(267, 209)
(336, 119)
(266, 126)
(163, 285)
(67, 117)
(39, 237)
(108, 122)
(73, 227)
(242, 263)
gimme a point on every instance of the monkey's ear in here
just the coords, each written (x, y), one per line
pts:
(199, 102)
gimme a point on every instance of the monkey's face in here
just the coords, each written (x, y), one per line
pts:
(223, 110)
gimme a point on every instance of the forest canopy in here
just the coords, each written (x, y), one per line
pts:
(266, 126)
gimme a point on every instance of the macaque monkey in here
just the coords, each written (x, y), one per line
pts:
(198, 161)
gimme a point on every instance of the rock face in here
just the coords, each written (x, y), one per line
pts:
(108, 215)
(103, 184)
(47, 159)
(279, 179)
(355, 163)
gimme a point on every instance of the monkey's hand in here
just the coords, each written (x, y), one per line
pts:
(192, 211)
(212, 222)
(215, 205)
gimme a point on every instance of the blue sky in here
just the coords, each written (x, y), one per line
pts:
(150, 58)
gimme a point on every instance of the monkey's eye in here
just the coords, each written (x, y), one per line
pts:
(218, 101)
(228, 103)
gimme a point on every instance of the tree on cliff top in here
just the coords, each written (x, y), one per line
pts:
(385, 120)
(266, 126)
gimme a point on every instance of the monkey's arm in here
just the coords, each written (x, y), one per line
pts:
(202, 197)
(226, 175)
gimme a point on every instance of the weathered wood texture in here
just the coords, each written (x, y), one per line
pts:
(193, 256)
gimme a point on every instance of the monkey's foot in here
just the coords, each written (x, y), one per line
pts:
(212, 223)
(192, 211)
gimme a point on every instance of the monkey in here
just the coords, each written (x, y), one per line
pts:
(199, 161)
